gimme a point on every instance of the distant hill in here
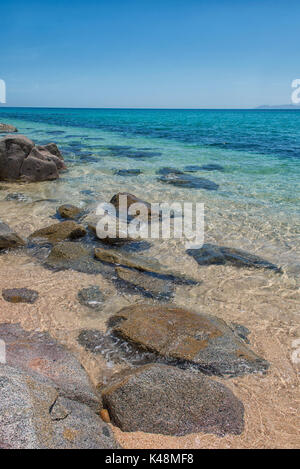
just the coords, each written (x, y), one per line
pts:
(280, 106)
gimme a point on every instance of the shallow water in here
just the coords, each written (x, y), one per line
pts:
(256, 208)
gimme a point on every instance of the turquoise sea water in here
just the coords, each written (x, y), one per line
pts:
(257, 204)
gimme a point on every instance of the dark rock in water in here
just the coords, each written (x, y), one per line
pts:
(188, 181)
(91, 297)
(205, 167)
(212, 167)
(69, 211)
(38, 354)
(8, 238)
(118, 147)
(128, 172)
(220, 255)
(146, 283)
(20, 295)
(55, 132)
(36, 169)
(16, 196)
(7, 128)
(43, 154)
(144, 264)
(128, 152)
(192, 168)
(168, 171)
(187, 338)
(129, 199)
(166, 400)
(75, 256)
(111, 348)
(40, 417)
(59, 232)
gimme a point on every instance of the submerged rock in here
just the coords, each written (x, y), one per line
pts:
(7, 128)
(8, 238)
(186, 337)
(91, 297)
(75, 256)
(188, 181)
(40, 418)
(169, 401)
(59, 232)
(20, 159)
(69, 211)
(17, 196)
(146, 283)
(220, 255)
(20, 295)
(129, 200)
(128, 172)
(112, 256)
(205, 167)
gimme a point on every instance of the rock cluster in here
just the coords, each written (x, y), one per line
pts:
(21, 160)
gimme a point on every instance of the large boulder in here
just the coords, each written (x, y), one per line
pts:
(170, 401)
(185, 337)
(59, 232)
(7, 128)
(220, 255)
(21, 160)
(13, 151)
(8, 238)
(34, 415)
(38, 354)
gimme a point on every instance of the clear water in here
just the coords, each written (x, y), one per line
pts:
(257, 205)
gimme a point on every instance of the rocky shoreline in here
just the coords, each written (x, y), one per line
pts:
(172, 354)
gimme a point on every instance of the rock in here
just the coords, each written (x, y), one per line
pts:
(8, 238)
(186, 337)
(127, 200)
(59, 232)
(38, 354)
(75, 256)
(188, 181)
(16, 196)
(169, 401)
(20, 295)
(13, 151)
(69, 211)
(51, 148)
(45, 155)
(91, 297)
(36, 169)
(147, 284)
(205, 167)
(219, 255)
(34, 416)
(192, 168)
(7, 128)
(128, 172)
(167, 171)
(117, 236)
(21, 160)
(112, 256)
(212, 167)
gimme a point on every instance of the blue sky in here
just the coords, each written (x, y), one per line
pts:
(158, 53)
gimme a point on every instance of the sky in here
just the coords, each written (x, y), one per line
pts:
(149, 53)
